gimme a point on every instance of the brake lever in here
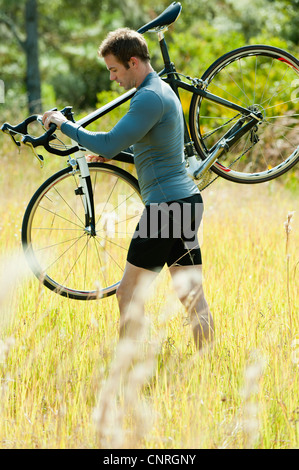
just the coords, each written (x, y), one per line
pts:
(37, 155)
(18, 144)
(33, 142)
(21, 128)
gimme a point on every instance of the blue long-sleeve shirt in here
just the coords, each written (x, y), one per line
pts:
(154, 127)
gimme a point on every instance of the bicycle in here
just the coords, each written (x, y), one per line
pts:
(242, 118)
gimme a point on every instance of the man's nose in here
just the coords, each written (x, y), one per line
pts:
(112, 76)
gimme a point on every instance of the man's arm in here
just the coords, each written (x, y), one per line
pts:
(145, 111)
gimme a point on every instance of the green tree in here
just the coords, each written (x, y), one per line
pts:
(28, 42)
(55, 43)
(59, 44)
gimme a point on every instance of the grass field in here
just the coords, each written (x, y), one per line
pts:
(66, 381)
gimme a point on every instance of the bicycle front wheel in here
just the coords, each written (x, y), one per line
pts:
(63, 255)
(263, 79)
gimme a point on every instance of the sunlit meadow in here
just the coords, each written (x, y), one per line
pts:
(66, 382)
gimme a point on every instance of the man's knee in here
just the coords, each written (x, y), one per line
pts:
(187, 282)
(123, 296)
(193, 296)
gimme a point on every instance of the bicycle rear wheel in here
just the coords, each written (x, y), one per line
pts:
(62, 254)
(261, 78)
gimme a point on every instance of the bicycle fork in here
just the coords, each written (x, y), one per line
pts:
(85, 191)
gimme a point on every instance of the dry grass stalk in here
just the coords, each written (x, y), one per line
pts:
(131, 368)
(250, 416)
(288, 229)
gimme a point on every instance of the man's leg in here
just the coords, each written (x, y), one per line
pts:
(131, 296)
(187, 281)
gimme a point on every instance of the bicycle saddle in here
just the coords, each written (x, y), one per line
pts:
(166, 18)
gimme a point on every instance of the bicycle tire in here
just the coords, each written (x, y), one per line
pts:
(61, 253)
(264, 78)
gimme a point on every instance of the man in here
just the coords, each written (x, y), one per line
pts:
(154, 126)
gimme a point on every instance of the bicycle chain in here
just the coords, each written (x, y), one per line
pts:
(238, 158)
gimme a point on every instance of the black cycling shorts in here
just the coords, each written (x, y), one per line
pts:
(167, 233)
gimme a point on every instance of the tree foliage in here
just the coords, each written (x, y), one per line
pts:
(69, 34)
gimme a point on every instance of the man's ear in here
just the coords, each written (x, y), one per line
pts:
(134, 61)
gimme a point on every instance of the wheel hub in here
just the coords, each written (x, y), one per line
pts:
(90, 231)
(259, 111)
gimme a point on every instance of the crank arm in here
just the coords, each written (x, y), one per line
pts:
(210, 160)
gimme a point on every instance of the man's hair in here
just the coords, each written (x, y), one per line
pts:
(124, 43)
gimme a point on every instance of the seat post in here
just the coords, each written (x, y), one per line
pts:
(164, 50)
(170, 70)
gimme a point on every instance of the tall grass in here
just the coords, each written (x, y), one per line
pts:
(66, 381)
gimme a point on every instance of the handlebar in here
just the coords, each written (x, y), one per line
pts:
(43, 140)
(21, 128)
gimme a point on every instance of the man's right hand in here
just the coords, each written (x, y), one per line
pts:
(96, 158)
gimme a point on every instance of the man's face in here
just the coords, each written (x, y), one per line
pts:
(118, 72)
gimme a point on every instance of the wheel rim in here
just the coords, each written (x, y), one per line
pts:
(264, 81)
(63, 254)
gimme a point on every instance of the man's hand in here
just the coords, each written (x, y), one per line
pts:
(96, 158)
(53, 116)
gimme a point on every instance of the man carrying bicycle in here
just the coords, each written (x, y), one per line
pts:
(154, 127)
